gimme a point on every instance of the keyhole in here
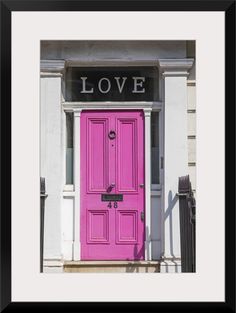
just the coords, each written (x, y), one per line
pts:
(115, 205)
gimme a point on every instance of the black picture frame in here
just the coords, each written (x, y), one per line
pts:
(7, 7)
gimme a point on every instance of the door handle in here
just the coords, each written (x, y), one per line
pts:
(112, 185)
(142, 216)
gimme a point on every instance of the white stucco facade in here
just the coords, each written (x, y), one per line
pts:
(176, 107)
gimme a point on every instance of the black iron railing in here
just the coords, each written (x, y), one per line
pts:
(187, 212)
(43, 196)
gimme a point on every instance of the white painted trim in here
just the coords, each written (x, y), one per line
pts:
(63, 155)
(68, 188)
(170, 266)
(175, 74)
(175, 67)
(175, 64)
(155, 193)
(111, 62)
(65, 187)
(70, 106)
(76, 244)
(52, 263)
(68, 194)
(52, 66)
(50, 74)
(148, 243)
(191, 82)
(162, 172)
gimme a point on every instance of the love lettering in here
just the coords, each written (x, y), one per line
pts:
(104, 84)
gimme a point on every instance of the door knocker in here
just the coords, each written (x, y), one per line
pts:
(112, 134)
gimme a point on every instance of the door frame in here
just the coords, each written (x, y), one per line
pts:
(77, 108)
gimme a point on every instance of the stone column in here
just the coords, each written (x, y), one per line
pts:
(51, 161)
(174, 73)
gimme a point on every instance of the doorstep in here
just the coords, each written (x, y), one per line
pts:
(111, 266)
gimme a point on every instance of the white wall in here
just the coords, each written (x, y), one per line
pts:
(51, 163)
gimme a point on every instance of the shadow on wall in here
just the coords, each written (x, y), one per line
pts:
(135, 268)
(168, 214)
(175, 270)
(131, 268)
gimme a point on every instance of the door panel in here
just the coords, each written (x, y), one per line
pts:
(97, 155)
(126, 226)
(97, 226)
(112, 165)
(127, 155)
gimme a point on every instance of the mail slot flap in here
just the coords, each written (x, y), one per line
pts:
(112, 197)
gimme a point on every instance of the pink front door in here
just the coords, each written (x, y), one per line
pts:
(112, 185)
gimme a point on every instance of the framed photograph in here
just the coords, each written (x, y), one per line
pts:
(118, 136)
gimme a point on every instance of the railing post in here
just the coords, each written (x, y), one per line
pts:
(43, 196)
(187, 224)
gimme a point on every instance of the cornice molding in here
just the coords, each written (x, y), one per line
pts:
(175, 67)
(52, 66)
